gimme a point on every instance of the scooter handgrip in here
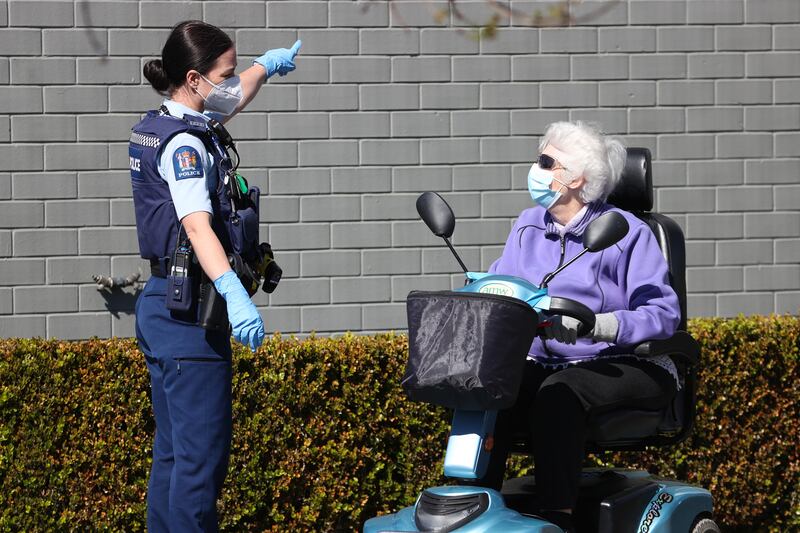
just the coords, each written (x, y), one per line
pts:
(574, 309)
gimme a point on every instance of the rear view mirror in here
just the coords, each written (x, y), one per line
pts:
(604, 231)
(436, 214)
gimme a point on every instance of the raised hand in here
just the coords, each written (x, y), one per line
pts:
(280, 60)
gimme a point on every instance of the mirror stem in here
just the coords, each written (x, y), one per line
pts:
(460, 262)
(552, 274)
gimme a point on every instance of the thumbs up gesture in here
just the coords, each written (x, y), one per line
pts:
(280, 60)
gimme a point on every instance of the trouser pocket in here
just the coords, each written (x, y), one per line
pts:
(181, 362)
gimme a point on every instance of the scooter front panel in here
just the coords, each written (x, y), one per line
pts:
(504, 285)
(467, 456)
(497, 517)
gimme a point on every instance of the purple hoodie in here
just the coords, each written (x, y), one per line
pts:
(630, 278)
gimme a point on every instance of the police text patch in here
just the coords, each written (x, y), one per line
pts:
(135, 157)
(187, 163)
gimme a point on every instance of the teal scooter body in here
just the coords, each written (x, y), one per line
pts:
(672, 508)
(495, 516)
(502, 285)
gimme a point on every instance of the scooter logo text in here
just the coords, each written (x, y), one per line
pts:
(500, 289)
(655, 511)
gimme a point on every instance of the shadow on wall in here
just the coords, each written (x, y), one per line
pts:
(95, 43)
(119, 301)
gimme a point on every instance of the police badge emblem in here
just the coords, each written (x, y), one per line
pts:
(186, 163)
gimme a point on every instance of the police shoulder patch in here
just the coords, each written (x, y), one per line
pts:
(187, 163)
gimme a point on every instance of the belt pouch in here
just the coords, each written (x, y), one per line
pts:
(179, 282)
(213, 312)
(179, 293)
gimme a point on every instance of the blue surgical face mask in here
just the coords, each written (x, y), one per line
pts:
(539, 181)
(225, 97)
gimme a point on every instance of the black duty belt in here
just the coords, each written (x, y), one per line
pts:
(159, 267)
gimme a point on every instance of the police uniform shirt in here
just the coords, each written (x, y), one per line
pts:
(187, 167)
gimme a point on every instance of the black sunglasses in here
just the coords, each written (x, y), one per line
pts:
(546, 162)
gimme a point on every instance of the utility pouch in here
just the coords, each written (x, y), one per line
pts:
(213, 310)
(179, 293)
(243, 230)
(179, 282)
(242, 224)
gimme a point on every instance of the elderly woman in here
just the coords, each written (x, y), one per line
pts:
(566, 378)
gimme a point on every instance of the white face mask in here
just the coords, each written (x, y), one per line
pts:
(223, 98)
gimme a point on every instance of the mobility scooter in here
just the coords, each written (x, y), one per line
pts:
(477, 373)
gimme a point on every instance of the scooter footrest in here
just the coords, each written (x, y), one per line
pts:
(442, 513)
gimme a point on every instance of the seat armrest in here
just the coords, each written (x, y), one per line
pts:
(680, 345)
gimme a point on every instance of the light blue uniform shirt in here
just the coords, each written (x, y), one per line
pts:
(186, 166)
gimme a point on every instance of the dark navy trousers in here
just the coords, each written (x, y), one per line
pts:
(190, 378)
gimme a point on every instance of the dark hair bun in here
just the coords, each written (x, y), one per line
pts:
(154, 72)
(192, 45)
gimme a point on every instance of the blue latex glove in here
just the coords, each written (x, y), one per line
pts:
(248, 328)
(280, 60)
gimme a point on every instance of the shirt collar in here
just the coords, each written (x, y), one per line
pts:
(577, 224)
(562, 229)
(179, 110)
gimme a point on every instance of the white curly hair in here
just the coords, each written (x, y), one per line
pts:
(597, 157)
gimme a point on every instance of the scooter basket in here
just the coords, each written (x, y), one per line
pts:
(467, 350)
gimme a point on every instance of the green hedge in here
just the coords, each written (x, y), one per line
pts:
(324, 437)
(745, 447)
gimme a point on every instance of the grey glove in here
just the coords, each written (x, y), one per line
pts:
(565, 328)
(606, 327)
(562, 328)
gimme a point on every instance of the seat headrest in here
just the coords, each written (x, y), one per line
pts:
(634, 192)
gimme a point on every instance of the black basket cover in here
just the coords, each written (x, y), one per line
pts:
(467, 350)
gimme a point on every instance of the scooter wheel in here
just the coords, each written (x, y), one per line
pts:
(705, 525)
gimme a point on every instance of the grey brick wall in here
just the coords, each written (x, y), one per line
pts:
(389, 101)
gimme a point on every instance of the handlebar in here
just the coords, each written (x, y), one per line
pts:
(574, 309)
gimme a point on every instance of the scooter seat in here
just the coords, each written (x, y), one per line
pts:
(619, 427)
(623, 425)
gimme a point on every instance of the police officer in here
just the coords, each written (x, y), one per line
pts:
(183, 209)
